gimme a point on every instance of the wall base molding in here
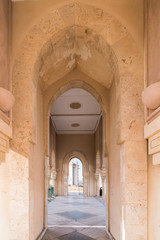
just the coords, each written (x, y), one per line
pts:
(110, 235)
(41, 235)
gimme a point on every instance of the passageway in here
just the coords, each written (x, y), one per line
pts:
(76, 217)
(76, 71)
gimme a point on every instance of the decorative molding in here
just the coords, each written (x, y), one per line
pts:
(5, 129)
(152, 133)
(152, 128)
(154, 144)
(4, 143)
(4, 117)
(156, 158)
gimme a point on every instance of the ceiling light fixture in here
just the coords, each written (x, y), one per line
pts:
(75, 124)
(75, 105)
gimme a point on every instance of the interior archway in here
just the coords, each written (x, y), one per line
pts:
(35, 70)
(75, 177)
(67, 159)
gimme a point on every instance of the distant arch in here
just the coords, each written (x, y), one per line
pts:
(68, 157)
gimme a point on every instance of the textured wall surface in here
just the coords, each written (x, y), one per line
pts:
(114, 169)
(4, 44)
(19, 196)
(153, 41)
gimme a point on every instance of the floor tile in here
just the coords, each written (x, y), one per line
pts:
(75, 236)
(76, 217)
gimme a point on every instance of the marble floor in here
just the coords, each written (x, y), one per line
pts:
(76, 218)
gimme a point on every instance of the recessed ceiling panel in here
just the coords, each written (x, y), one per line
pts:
(88, 104)
(76, 111)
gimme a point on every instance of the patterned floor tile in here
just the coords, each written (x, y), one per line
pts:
(76, 218)
(75, 215)
(76, 203)
(75, 236)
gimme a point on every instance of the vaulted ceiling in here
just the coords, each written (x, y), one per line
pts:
(76, 112)
(76, 47)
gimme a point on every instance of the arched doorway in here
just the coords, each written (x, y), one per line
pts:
(75, 177)
(34, 71)
(82, 158)
(77, 116)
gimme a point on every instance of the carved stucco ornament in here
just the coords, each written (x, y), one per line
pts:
(6, 100)
(151, 96)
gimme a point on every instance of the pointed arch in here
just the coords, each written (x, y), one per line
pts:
(68, 157)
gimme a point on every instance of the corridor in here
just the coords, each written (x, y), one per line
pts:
(76, 218)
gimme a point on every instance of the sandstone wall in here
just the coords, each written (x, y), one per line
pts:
(25, 13)
(5, 44)
(36, 176)
(153, 45)
(98, 145)
(114, 170)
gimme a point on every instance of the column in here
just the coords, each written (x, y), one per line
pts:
(103, 188)
(97, 184)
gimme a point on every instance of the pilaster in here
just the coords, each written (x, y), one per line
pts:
(97, 184)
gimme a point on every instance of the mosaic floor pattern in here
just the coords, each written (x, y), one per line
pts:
(76, 218)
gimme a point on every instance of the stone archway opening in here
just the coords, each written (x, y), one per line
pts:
(75, 177)
(49, 61)
(77, 130)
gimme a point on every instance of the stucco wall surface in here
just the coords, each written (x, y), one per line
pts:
(26, 13)
(153, 43)
(36, 166)
(114, 169)
(5, 44)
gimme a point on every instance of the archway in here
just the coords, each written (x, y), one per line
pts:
(67, 159)
(36, 95)
(75, 177)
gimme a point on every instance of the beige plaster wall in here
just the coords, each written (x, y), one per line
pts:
(18, 168)
(5, 44)
(98, 145)
(84, 143)
(37, 171)
(26, 13)
(114, 169)
(52, 150)
(153, 31)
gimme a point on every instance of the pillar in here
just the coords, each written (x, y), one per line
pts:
(97, 184)
(103, 188)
